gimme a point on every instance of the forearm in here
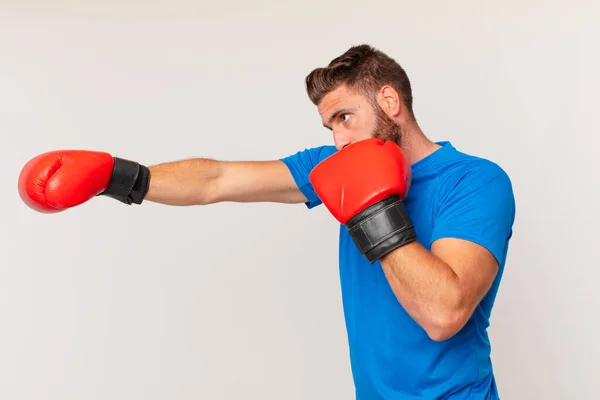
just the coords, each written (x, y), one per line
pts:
(182, 183)
(427, 288)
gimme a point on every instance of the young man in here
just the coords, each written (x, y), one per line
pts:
(424, 228)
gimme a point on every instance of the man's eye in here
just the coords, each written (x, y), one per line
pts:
(345, 117)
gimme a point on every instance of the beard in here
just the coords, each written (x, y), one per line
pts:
(386, 128)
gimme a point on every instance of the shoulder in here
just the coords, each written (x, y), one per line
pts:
(301, 163)
(462, 174)
(470, 188)
(474, 202)
(311, 156)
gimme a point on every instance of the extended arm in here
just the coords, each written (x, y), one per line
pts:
(58, 180)
(203, 181)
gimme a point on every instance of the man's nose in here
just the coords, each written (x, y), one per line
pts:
(340, 140)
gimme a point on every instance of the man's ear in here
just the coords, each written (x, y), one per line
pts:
(389, 101)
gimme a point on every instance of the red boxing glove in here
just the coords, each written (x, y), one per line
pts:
(58, 180)
(363, 186)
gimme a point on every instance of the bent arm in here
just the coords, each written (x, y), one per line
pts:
(202, 181)
(441, 287)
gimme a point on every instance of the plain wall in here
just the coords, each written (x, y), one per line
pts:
(234, 301)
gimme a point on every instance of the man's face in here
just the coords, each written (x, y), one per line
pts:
(352, 118)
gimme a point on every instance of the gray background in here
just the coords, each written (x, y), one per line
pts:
(238, 301)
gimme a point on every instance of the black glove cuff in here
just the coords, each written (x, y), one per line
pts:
(129, 182)
(381, 228)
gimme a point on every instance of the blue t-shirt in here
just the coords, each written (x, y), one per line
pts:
(452, 194)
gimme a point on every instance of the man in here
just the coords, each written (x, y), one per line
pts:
(424, 228)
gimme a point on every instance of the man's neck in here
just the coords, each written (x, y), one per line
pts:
(416, 145)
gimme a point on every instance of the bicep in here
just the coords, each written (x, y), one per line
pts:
(256, 181)
(472, 228)
(474, 265)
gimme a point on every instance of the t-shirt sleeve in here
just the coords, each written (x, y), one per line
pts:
(301, 163)
(478, 205)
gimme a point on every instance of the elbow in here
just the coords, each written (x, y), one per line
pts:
(206, 195)
(446, 324)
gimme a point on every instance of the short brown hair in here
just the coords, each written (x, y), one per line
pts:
(364, 69)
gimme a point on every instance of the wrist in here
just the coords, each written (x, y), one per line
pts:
(129, 182)
(381, 228)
